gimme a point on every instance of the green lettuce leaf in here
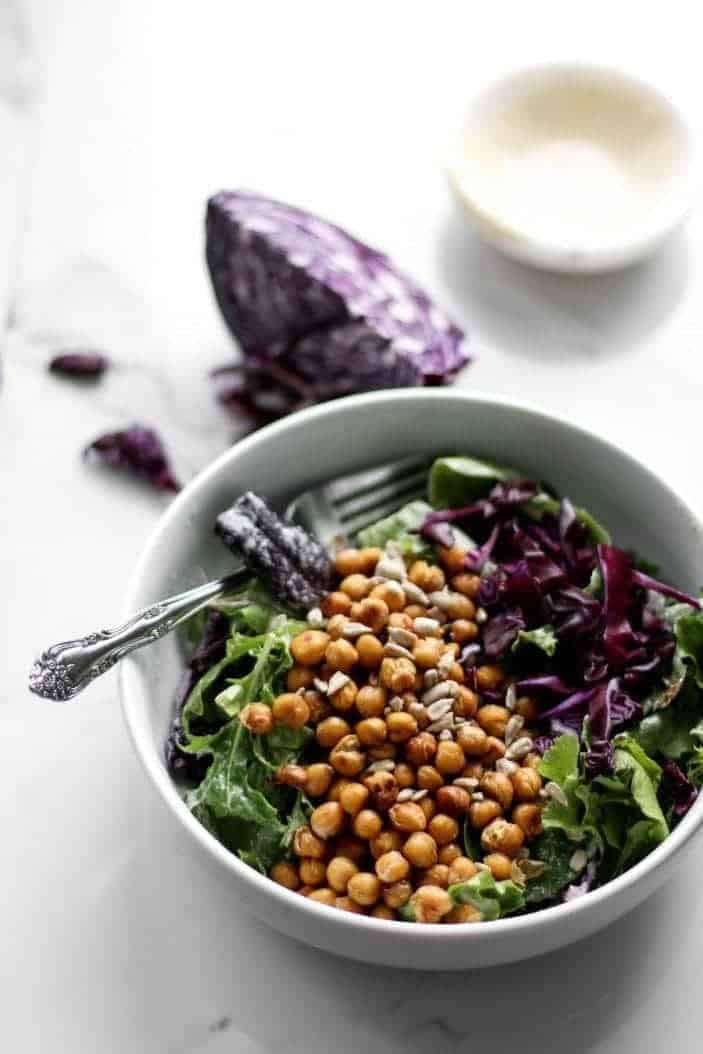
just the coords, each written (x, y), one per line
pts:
(398, 528)
(671, 731)
(561, 762)
(456, 481)
(553, 849)
(543, 637)
(694, 767)
(578, 817)
(493, 899)
(688, 630)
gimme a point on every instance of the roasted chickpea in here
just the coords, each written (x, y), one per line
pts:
(392, 867)
(427, 651)
(353, 797)
(318, 780)
(463, 630)
(449, 853)
(367, 824)
(428, 778)
(373, 612)
(489, 677)
(349, 562)
(336, 603)
(400, 620)
(323, 896)
(437, 875)
(532, 761)
(528, 817)
(462, 913)
(452, 559)
(257, 718)
(398, 675)
(347, 904)
(404, 775)
(350, 847)
(312, 871)
(408, 816)
(401, 726)
(498, 786)
(461, 869)
(473, 769)
(467, 584)
(388, 841)
(382, 911)
(383, 788)
(484, 812)
(527, 708)
(370, 556)
(371, 700)
(341, 655)
(335, 791)
(460, 607)
(307, 844)
(327, 819)
(495, 748)
(371, 731)
(527, 784)
(421, 748)
(392, 594)
(414, 611)
(431, 904)
(317, 704)
(427, 576)
(344, 698)
(472, 740)
(346, 758)
(443, 828)
(356, 586)
(285, 874)
(299, 677)
(501, 836)
(364, 888)
(335, 626)
(383, 752)
(501, 866)
(308, 648)
(290, 709)
(450, 758)
(421, 850)
(291, 775)
(428, 807)
(398, 894)
(339, 870)
(370, 651)
(455, 801)
(455, 673)
(466, 702)
(493, 719)
(331, 730)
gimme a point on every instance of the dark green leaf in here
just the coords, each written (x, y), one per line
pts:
(398, 528)
(543, 637)
(493, 899)
(456, 481)
(554, 850)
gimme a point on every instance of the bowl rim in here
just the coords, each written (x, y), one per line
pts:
(671, 210)
(153, 762)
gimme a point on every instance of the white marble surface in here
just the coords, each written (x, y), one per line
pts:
(117, 121)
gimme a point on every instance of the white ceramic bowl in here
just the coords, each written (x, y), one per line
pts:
(572, 168)
(337, 438)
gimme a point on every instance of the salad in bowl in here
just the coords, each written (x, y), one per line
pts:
(478, 707)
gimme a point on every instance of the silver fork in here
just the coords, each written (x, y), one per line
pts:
(331, 513)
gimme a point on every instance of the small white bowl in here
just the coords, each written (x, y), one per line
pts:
(343, 436)
(573, 168)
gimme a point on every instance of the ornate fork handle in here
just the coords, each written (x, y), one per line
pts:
(66, 669)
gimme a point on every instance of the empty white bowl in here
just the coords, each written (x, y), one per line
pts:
(573, 168)
(339, 437)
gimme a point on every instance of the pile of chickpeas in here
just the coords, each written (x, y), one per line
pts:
(407, 750)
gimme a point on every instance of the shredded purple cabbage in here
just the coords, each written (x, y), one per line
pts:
(676, 788)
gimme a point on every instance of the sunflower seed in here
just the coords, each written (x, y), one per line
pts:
(437, 614)
(440, 598)
(480, 866)
(477, 796)
(441, 690)
(430, 678)
(315, 617)
(395, 651)
(414, 593)
(427, 627)
(420, 794)
(402, 636)
(469, 783)
(578, 860)
(481, 616)
(405, 794)
(418, 711)
(513, 728)
(519, 749)
(440, 724)
(392, 569)
(396, 704)
(395, 589)
(445, 735)
(337, 681)
(553, 790)
(445, 664)
(506, 766)
(386, 765)
(439, 708)
(355, 629)
(321, 686)
(511, 697)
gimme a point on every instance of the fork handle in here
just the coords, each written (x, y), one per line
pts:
(64, 670)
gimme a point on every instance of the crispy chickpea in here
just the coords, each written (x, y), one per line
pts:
(371, 731)
(370, 556)
(414, 611)
(472, 740)
(463, 630)
(461, 869)
(493, 719)
(350, 847)
(392, 594)
(429, 808)
(450, 758)
(299, 677)
(473, 769)
(285, 874)
(421, 748)
(427, 576)
(346, 758)
(371, 700)
(489, 677)
(335, 791)
(444, 829)
(421, 850)
(437, 875)
(467, 584)
(348, 562)
(501, 836)
(323, 896)
(335, 626)
(307, 844)
(370, 651)
(364, 888)
(312, 871)
(355, 611)
(398, 675)
(466, 702)
(356, 586)
(449, 853)
(336, 603)
(331, 730)
(383, 788)
(427, 651)
(373, 612)
(341, 655)
(484, 812)
(318, 779)
(401, 726)
(347, 904)
(454, 801)
(498, 786)
(398, 894)
(400, 620)
(382, 911)
(495, 748)
(528, 817)
(383, 752)
(461, 608)
(408, 816)
(392, 867)
(431, 904)
(404, 775)
(462, 913)
(257, 718)
(527, 784)
(327, 819)
(291, 775)
(532, 761)
(290, 709)
(500, 865)
(367, 824)
(388, 841)
(339, 870)
(428, 778)
(452, 559)
(527, 708)
(344, 698)
(353, 798)
(308, 648)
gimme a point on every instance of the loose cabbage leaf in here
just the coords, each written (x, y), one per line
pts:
(493, 899)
